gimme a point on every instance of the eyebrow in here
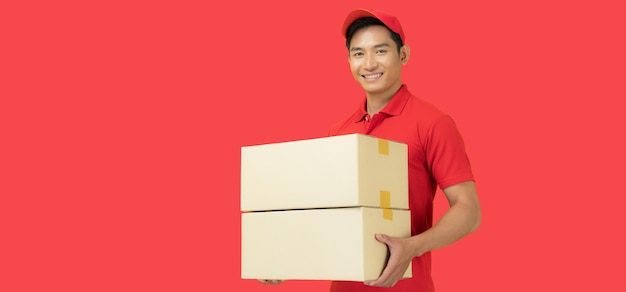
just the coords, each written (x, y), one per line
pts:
(376, 47)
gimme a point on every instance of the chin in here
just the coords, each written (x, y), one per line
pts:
(369, 88)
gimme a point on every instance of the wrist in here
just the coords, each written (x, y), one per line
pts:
(418, 245)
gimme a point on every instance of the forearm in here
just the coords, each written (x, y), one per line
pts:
(461, 219)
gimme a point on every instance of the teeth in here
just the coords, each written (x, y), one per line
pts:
(373, 76)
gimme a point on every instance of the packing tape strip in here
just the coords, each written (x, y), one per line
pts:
(385, 204)
(388, 214)
(383, 147)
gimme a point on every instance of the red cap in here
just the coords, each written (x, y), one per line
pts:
(390, 21)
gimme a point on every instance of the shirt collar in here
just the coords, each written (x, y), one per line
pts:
(394, 106)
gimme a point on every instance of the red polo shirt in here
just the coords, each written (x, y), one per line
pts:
(437, 158)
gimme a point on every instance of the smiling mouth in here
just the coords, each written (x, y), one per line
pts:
(372, 76)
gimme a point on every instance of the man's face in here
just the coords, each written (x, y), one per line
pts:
(375, 62)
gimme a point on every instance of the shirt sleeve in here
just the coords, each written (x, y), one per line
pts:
(446, 155)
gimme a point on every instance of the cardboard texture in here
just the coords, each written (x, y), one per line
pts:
(338, 171)
(319, 244)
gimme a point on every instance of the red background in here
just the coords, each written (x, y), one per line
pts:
(121, 124)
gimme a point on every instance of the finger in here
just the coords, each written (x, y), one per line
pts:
(390, 274)
(381, 279)
(270, 282)
(273, 282)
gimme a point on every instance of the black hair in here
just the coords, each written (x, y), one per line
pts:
(364, 22)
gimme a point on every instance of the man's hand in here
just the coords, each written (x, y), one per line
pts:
(270, 282)
(400, 257)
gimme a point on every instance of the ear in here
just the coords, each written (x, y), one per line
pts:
(405, 53)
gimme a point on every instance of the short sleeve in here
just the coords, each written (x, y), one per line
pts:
(445, 152)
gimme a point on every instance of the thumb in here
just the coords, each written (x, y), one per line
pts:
(383, 238)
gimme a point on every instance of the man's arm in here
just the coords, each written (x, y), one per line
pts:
(461, 219)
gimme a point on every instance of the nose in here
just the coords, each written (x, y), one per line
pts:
(370, 62)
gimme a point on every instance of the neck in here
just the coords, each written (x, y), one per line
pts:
(377, 101)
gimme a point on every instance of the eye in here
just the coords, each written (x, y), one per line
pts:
(357, 54)
(380, 52)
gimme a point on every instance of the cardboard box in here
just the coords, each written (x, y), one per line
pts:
(319, 244)
(338, 171)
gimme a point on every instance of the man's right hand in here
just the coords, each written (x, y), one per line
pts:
(270, 282)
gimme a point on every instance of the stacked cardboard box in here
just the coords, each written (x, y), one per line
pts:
(310, 208)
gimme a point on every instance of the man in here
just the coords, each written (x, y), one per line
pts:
(437, 157)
